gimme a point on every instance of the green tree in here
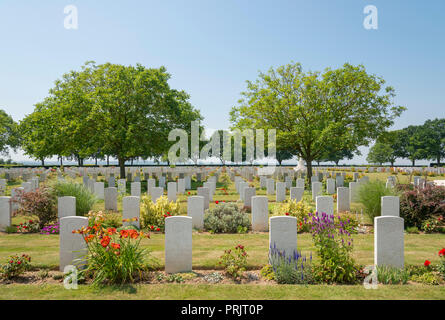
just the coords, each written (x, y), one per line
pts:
(433, 139)
(346, 107)
(380, 153)
(9, 133)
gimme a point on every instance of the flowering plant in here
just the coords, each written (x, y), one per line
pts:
(51, 229)
(154, 213)
(441, 266)
(334, 246)
(234, 261)
(113, 256)
(292, 268)
(16, 266)
(29, 226)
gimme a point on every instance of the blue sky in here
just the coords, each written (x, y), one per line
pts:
(212, 47)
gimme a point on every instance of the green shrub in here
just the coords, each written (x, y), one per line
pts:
(106, 219)
(370, 195)
(267, 272)
(153, 214)
(84, 198)
(412, 230)
(39, 203)
(391, 275)
(419, 205)
(226, 218)
(427, 278)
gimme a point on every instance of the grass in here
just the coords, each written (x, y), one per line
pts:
(222, 292)
(44, 250)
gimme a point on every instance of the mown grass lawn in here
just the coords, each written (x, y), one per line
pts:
(207, 248)
(222, 292)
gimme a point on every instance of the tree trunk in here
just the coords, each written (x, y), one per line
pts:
(96, 160)
(392, 163)
(108, 160)
(336, 163)
(43, 161)
(309, 171)
(414, 162)
(122, 167)
(61, 161)
(438, 160)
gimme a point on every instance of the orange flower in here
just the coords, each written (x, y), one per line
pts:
(133, 234)
(115, 245)
(105, 241)
(89, 238)
(124, 234)
(111, 230)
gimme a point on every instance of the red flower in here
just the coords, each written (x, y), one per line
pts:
(287, 213)
(216, 201)
(442, 253)
(158, 229)
(189, 192)
(105, 241)
(427, 263)
(116, 245)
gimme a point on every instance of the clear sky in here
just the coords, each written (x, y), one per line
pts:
(211, 47)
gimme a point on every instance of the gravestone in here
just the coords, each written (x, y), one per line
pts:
(339, 181)
(248, 194)
(390, 206)
(5, 213)
(296, 193)
(72, 245)
(178, 244)
(388, 241)
(300, 183)
(283, 234)
(2, 187)
(111, 199)
(260, 213)
(263, 181)
(324, 204)
(156, 193)
(99, 190)
(270, 186)
(136, 189)
(121, 186)
(151, 183)
(353, 191)
(204, 192)
(131, 209)
(316, 189)
(281, 192)
(66, 207)
(162, 181)
(343, 202)
(181, 186)
(330, 186)
(111, 182)
(171, 191)
(195, 210)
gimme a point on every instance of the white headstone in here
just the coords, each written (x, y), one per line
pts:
(388, 241)
(260, 213)
(5, 212)
(296, 193)
(72, 245)
(111, 199)
(325, 204)
(283, 234)
(66, 207)
(131, 209)
(195, 210)
(178, 244)
(343, 203)
(390, 206)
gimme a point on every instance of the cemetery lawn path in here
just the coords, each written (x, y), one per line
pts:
(207, 248)
(221, 292)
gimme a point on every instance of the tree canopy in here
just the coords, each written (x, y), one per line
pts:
(345, 108)
(120, 111)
